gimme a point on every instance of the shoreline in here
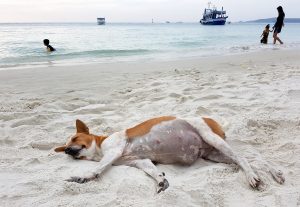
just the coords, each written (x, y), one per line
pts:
(169, 64)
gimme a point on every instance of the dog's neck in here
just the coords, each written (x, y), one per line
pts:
(99, 140)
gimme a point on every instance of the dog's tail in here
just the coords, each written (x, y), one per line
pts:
(224, 124)
(203, 112)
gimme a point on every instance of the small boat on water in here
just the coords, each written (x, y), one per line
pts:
(213, 16)
(101, 21)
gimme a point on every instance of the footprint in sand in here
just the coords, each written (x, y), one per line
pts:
(211, 97)
(42, 145)
(229, 86)
(34, 120)
(31, 161)
(94, 109)
(32, 105)
(156, 84)
(174, 95)
(294, 95)
(207, 84)
(188, 91)
(7, 141)
(182, 100)
(203, 111)
(265, 125)
(158, 98)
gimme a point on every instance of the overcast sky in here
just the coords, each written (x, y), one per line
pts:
(138, 10)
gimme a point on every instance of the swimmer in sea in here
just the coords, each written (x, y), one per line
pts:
(49, 47)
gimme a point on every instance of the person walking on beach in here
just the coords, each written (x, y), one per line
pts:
(48, 47)
(278, 25)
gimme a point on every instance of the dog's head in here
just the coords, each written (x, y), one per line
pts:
(82, 145)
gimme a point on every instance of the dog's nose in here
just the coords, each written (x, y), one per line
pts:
(72, 151)
(67, 150)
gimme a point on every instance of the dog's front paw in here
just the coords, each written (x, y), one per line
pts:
(162, 186)
(78, 179)
(253, 180)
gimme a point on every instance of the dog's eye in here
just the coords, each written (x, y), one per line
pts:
(83, 146)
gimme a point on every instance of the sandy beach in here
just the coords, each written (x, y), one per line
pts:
(258, 94)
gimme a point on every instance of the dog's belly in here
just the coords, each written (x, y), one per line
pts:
(174, 141)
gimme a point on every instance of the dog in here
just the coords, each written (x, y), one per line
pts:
(164, 140)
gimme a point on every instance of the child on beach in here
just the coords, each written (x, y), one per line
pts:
(49, 47)
(265, 34)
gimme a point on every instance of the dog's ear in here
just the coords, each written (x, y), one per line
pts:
(60, 149)
(81, 127)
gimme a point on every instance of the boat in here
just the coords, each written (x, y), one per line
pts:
(213, 16)
(101, 21)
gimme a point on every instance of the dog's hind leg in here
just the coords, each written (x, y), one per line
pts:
(218, 143)
(276, 174)
(218, 157)
(148, 167)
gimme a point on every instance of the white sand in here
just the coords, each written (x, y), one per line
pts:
(258, 94)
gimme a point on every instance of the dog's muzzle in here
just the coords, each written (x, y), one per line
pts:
(73, 151)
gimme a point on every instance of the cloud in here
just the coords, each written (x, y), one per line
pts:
(136, 10)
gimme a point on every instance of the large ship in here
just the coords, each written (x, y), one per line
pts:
(101, 21)
(213, 16)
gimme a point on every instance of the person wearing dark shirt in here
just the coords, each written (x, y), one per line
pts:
(278, 25)
(265, 35)
(49, 47)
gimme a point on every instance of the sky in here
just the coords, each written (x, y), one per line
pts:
(138, 10)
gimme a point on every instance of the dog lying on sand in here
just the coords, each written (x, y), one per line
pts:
(165, 140)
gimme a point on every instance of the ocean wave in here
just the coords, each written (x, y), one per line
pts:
(265, 47)
(62, 55)
(240, 48)
(107, 52)
(188, 43)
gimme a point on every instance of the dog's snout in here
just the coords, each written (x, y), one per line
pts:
(67, 150)
(72, 151)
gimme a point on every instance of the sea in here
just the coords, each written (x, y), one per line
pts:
(21, 44)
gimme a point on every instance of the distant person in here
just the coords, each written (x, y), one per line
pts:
(265, 34)
(49, 47)
(278, 25)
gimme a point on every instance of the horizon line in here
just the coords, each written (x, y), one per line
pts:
(148, 22)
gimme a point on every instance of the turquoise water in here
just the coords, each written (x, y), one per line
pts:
(21, 44)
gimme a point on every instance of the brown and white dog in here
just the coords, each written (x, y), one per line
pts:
(164, 140)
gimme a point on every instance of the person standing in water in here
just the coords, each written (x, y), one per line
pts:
(278, 25)
(49, 47)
